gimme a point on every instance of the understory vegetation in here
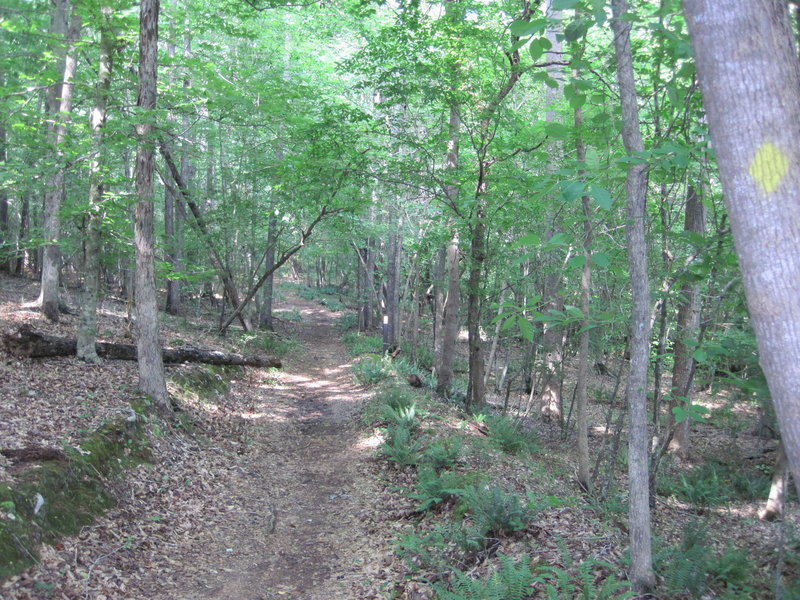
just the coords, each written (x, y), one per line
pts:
(483, 493)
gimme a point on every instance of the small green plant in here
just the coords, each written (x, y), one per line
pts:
(371, 370)
(434, 488)
(509, 436)
(495, 512)
(511, 580)
(347, 322)
(400, 446)
(359, 343)
(443, 453)
(562, 584)
(405, 416)
(693, 568)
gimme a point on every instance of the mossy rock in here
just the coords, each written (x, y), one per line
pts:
(57, 498)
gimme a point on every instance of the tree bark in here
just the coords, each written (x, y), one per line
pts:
(750, 86)
(448, 333)
(87, 330)
(773, 509)
(687, 329)
(152, 380)
(581, 400)
(26, 342)
(54, 195)
(641, 573)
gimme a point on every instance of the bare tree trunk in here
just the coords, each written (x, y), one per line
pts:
(6, 260)
(151, 366)
(687, 329)
(581, 401)
(754, 120)
(54, 195)
(553, 348)
(477, 255)
(265, 318)
(87, 330)
(495, 340)
(448, 333)
(393, 284)
(641, 573)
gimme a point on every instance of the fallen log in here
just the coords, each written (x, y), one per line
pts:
(33, 454)
(26, 342)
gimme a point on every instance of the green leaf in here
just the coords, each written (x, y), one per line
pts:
(525, 328)
(564, 4)
(572, 190)
(576, 262)
(523, 28)
(575, 30)
(592, 159)
(700, 355)
(538, 47)
(601, 259)
(557, 131)
(529, 239)
(602, 196)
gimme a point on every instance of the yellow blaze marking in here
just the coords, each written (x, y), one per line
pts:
(768, 167)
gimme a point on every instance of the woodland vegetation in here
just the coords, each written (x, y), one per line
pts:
(527, 202)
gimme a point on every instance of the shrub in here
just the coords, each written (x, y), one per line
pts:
(358, 343)
(509, 436)
(400, 446)
(443, 454)
(405, 416)
(692, 567)
(347, 322)
(495, 512)
(562, 584)
(511, 580)
(370, 371)
(434, 488)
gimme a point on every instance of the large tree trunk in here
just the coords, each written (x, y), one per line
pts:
(87, 330)
(151, 367)
(750, 87)
(265, 317)
(6, 260)
(477, 255)
(641, 573)
(448, 332)
(61, 105)
(687, 328)
(26, 342)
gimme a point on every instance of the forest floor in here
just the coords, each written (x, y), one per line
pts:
(271, 488)
(266, 498)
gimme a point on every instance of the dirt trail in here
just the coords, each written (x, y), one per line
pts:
(304, 533)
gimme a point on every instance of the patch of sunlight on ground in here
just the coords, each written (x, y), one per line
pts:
(371, 442)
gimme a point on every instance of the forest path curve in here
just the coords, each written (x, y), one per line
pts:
(304, 535)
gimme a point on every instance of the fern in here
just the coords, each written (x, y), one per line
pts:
(509, 581)
(443, 454)
(495, 511)
(400, 447)
(433, 489)
(562, 585)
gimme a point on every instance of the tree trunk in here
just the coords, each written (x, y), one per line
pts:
(475, 389)
(553, 347)
(687, 329)
(87, 330)
(6, 257)
(26, 342)
(641, 573)
(773, 509)
(54, 195)
(582, 418)
(152, 381)
(265, 317)
(750, 88)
